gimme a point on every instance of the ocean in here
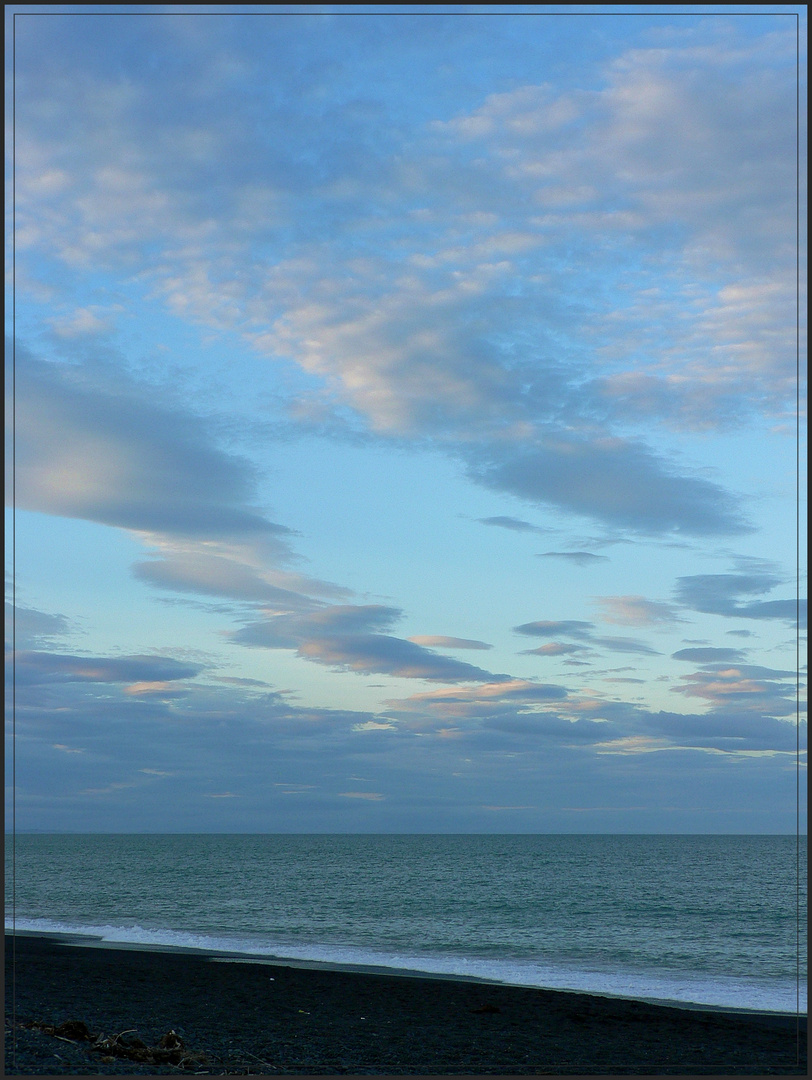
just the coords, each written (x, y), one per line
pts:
(709, 920)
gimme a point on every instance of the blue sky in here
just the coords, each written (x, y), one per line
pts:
(405, 416)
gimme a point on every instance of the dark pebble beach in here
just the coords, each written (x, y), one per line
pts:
(186, 1012)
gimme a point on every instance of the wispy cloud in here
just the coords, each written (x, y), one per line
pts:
(576, 628)
(34, 667)
(512, 523)
(718, 594)
(746, 687)
(581, 631)
(348, 637)
(709, 655)
(370, 653)
(637, 611)
(90, 444)
(581, 558)
(617, 481)
(556, 648)
(288, 631)
(440, 642)
(31, 628)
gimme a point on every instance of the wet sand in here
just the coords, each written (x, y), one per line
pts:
(240, 1018)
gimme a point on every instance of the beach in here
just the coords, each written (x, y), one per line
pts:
(238, 1016)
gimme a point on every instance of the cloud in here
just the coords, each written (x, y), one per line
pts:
(83, 323)
(520, 712)
(709, 655)
(748, 689)
(511, 698)
(513, 689)
(159, 689)
(636, 611)
(582, 631)
(554, 648)
(601, 173)
(91, 444)
(59, 693)
(348, 637)
(288, 631)
(440, 642)
(549, 628)
(741, 718)
(380, 653)
(726, 729)
(610, 479)
(512, 523)
(717, 594)
(237, 571)
(555, 728)
(31, 628)
(473, 344)
(36, 667)
(624, 645)
(633, 744)
(649, 151)
(582, 558)
(247, 741)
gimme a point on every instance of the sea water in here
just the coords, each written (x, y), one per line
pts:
(715, 920)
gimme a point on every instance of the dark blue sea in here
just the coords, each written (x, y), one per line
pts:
(704, 919)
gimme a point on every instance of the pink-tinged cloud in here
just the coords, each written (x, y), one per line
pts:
(636, 611)
(511, 689)
(381, 654)
(437, 641)
(291, 630)
(554, 648)
(46, 667)
(747, 687)
(105, 450)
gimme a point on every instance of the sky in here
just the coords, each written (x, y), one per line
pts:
(403, 419)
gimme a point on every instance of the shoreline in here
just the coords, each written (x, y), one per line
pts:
(94, 941)
(317, 1020)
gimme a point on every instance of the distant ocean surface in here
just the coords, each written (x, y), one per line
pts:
(702, 919)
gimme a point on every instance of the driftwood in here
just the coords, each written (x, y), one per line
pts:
(170, 1049)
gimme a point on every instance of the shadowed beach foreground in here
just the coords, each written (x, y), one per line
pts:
(244, 1018)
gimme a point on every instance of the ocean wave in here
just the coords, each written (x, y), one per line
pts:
(773, 996)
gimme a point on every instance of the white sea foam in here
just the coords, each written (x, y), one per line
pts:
(653, 986)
